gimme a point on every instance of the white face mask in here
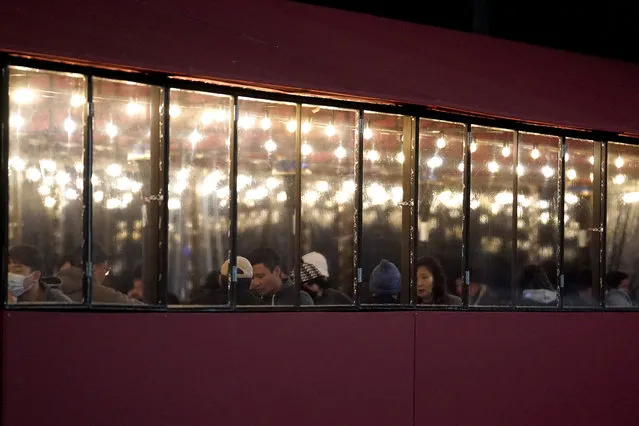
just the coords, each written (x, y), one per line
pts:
(16, 284)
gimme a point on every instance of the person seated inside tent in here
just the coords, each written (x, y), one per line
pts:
(537, 290)
(385, 283)
(618, 294)
(216, 289)
(314, 278)
(267, 282)
(25, 280)
(431, 283)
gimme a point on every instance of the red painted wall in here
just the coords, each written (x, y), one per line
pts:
(320, 369)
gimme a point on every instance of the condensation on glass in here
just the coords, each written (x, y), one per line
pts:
(329, 136)
(538, 179)
(46, 128)
(439, 209)
(383, 174)
(580, 239)
(266, 199)
(491, 204)
(126, 188)
(622, 235)
(200, 132)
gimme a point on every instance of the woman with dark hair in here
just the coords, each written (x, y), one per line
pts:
(431, 283)
(537, 290)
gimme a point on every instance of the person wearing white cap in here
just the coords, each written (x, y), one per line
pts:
(215, 291)
(314, 278)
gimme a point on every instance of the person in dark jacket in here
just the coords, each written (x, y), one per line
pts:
(25, 280)
(267, 282)
(385, 283)
(216, 288)
(316, 284)
(431, 283)
(618, 293)
(537, 290)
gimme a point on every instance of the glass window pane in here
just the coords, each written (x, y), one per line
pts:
(200, 132)
(621, 228)
(266, 201)
(46, 137)
(126, 155)
(491, 235)
(440, 199)
(580, 249)
(381, 211)
(328, 187)
(537, 219)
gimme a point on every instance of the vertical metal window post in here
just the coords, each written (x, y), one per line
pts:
(359, 184)
(297, 247)
(4, 172)
(87, 198)
(514, 284)
(232, 290)
(163, 261)
(561, 166)
(466, 217)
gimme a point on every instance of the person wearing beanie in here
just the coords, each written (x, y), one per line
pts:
(385, 283)
(314, 279)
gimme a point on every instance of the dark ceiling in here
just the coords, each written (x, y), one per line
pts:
(608, 29)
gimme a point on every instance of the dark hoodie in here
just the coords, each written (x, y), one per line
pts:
(287, 295)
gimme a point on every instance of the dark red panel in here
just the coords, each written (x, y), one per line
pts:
(197, 369)
(302, 47)
(527, 369)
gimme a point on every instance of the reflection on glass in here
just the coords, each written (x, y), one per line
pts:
(537, 219)
(622, 235)
(440, 199)
(200, 131)
(491, 216)
(266, 198)
(381, 211)
(328, 187)
(125, 169)
(580, 260)
(46, 128)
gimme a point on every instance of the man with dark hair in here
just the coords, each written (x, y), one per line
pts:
(267, 280)
(25, 280)
(618, 294)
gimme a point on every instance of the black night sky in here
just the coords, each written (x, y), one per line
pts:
(601, 28)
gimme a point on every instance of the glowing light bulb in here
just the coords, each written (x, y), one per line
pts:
(535, 153)
(341, 197)
(79, 183)
(460, 167)
(291, 126)
(619, 162)
(33, 174)
(281, 196)
(349, 186)
(435, 161)
(368, 133)
(71, 194)
(23, 96)
(505, 151)
(44, 190)
(592, 177)
(372, 155)
(114, 170)
(78, 167)
(441, 142)
(62, 178)
(400, 158)
(175, 111)
(113, 203)
(246, 122)
(591, 159)
(220, 115)
(270, 145)
(134, 108)
(272, 183)
(195, 137)
(50, 202)
(306, 127)
(493, 167)
(330, 130)
(547, 171)
(340, 152)
(322, 186)
(48, 165)
(69, 125)
(265, 123)
(136, 186)
(111, 129)
(16, 121)
(571, 198)
(306, 149)
(17, 163)
(77, 100)
(521, 170)
(619, 179)
(571, 174)
(473, 146)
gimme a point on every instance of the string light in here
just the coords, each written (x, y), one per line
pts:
(473, 146)
(246, 122)
(400, 158)
(33, 174)
(330, 130)
(50, 202)
(441, 142)
(619, 162)
(17, 163)
(114, 170)
(493, 167)
(372, 155)
(69, 125)
(306, 127)
(265, 123)
(571, 174)
(547, 171)
(535, 153)
(291, 125)
(77, 100)
(368, 133)
(505, 151)
(435, 161)
(195, 137)
(23, 96)
(619, 179)
(521, 170)
(16, 121)
(340, 152)
(134, 108)
(111, 130)
(270, 145)
(174, 111)
(306, 149)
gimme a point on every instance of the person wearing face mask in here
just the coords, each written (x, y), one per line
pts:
(267, 282)
(431, 284)
(25, 280)
(314, 279)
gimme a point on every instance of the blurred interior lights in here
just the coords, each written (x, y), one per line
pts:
(62, 178)
(270, 146)
(591, 159)
(368, 133)
(535, 153)
(246, 122)
(17, 163)
(23, 96)
(340, 152)
(571, 174)
(265, 123)
(306, 127)
(71, 194)
(619, 179)
(493, 167)
(77, 100)
(547, 171)
(306, 149)
(195, 137)
(114, 203)
(571, 198)
(114, 170)
(631, 197)
(441, 142)
(134, 108)
(400, 158)
(111, 130)
(435, 161)
(33, 174)
(291, 126)
(521, 170)
(505, 151)
(174, 111)
(48, 165)
(281, 196)
(69, 125)
(473, 146)
(330, 130)
(16, 121)
(44, 190)
(49, 202)
(619, 162)
(372, 155)
(460, 166)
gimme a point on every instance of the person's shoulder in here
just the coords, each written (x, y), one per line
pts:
(454, 300)
(305, 298)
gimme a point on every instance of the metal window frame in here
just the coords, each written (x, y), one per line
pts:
(415, 112)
